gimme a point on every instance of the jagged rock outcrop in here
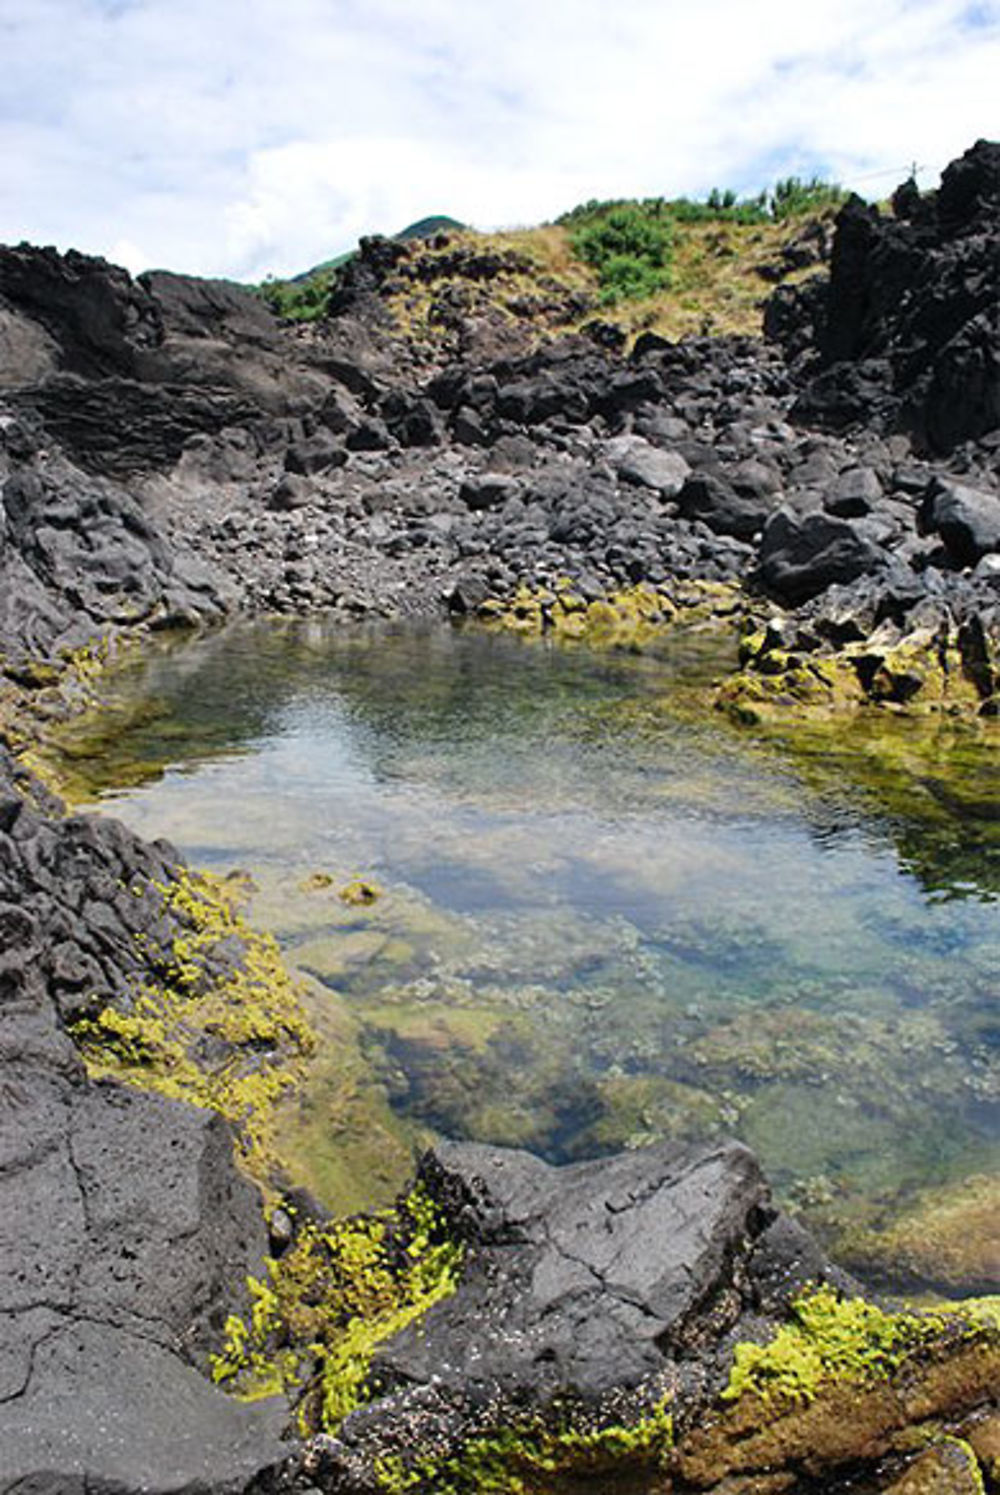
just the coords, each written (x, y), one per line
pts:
(125, 1227)
(78, 555)
(590, 1343)
(342, 466)
(907, 331)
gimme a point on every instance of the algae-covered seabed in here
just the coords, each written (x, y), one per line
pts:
(603, 914)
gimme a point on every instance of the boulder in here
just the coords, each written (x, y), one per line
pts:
(801, 555)
(637, 461)
(734, 501)
(317, 453)
(853, 493)
(647, 1322)
(488, 490)
(967, 519)
(584, 1276)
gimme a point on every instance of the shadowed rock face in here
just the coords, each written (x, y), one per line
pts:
(909, 327)
(125, 1227)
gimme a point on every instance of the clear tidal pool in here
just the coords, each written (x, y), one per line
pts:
(604, 914)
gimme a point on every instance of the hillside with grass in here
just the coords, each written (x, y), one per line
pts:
(674, 266)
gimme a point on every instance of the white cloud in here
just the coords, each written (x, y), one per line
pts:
(241, 136)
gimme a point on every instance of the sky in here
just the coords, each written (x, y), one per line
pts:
(246, 138)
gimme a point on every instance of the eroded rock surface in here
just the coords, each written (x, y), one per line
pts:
(591, 1343)
(125, 1227)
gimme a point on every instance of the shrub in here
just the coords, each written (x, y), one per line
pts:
(792, 196)
(630, 247)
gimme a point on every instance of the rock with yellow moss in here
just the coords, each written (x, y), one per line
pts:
(126, 1228)
(650, 1323)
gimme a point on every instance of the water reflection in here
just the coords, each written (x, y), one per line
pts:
(606, 914)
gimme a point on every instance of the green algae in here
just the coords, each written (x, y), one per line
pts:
(325, 1306)
(831, 1339)
(828, 1338)
(538, 1455)
(633, 619)
(213, 986)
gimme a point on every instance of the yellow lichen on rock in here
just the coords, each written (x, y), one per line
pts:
(927, 671)
(215, 1020)
(633, 618)
(844, 1382)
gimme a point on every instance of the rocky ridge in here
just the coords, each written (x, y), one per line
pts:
(171, 453)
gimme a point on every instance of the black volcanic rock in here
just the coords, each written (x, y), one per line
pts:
(582, 1277)
(78, 554)
(100, 320)
(802, 554)
(126, 1230)
(915, 301)
(598, 1288)
(967, 520)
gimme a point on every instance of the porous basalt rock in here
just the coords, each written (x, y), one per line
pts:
(125, 1227)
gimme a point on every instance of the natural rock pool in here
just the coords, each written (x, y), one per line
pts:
(603, 913)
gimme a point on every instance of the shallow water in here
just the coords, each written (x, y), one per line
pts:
(604, 915)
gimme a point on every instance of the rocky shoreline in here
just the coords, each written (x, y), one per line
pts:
(172, 455)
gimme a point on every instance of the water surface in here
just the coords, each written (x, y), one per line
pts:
(605, 915)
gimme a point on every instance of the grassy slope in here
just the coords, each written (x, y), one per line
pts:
(716, 285)
(716, 281)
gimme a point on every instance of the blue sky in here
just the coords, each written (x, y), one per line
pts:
(247, 137)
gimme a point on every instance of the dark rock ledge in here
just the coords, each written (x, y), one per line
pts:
(594, 1329)
(125, 1226)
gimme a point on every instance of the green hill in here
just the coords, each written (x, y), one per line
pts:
(670, 265)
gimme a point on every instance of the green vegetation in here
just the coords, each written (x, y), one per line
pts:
(630, 243)
(532, 1456)
(829, 1337)
(214, 986)
(791, 197)
(847, 1341)
(629, 249)
(305, 298)
(327, 1304)
(426, 228)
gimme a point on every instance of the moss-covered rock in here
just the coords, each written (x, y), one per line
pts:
(843, 1383)
(215, 1020)
(633, 618)
(946, 669)
(329, 1301)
